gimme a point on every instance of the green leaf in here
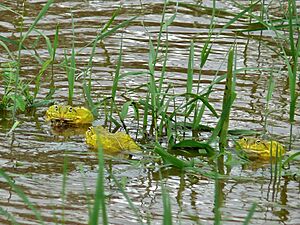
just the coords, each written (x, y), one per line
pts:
(168, 158)
(20, 103)
(195, 144)
(37, 19)
(124, 111)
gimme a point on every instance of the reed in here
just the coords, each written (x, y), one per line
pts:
(115, 84)
(23, 196)
(70, 67)
(167, 218)
(221, 128)
(99, 200)
(250, 214)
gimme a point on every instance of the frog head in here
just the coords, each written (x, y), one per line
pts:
(256, 148)
(54, 112)
(69, 114)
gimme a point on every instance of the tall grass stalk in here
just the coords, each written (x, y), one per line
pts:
(271, 86)
(130, 203)
(116, 81)
(156, 104)
(227, 100)
(250, 214)
(190, 80)
(63, 191)
(71, 69)
(218, 199)
(99, 201)
(221, 128)
(48, 62)
(292, 70)
(204, 56)
(167, 220)
(9, 216)
(87, 86)
(20, 47)
(23, 196)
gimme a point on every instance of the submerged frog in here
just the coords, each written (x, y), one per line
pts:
(110, 142)
(260, 149)
(60, 114)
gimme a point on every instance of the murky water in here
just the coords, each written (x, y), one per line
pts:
(34, 155)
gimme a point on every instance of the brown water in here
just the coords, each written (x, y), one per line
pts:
(34, 155)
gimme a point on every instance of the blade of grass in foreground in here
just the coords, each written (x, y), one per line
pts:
(116, 81)
(228, 95)
(71, 70)
(63, 191)
(228, 99)
(37, 19)
(22, 195)
(250, 214)
(121, 189)
(10, 217)
(99, 201)
(167, 205)
(218, 199)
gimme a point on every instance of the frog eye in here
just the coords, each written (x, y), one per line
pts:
(245, 139)
(56, 107)
(257, 142)
(89, 129)
(70, 109)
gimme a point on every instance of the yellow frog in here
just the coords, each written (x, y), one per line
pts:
(260, 149)
(68, 114)
(110, 142)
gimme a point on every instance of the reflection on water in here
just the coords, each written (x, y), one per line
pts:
(35, 154)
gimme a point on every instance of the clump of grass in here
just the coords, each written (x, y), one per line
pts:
(17, 95)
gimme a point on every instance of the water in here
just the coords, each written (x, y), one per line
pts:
(34, 155)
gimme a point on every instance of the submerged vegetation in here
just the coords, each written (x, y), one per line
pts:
(169, 124)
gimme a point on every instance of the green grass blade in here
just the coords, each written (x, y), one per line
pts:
(250, 214)
(130, 203)
(167, 206)
(55, 43)
(37, 19)
(228, 95)
(271, 87)
(7, 50)
(71, 70)
(290, 158)
(102, 35)
(194, 144)
(63, 191)
(218, 198)
(22, 195)
(224, 114)
(10, 217)
(16, 43)
(16, 123)
(203, 99)
(116, 80)
(99, 201)
(190, 71)
(39, 76)
(168, 158)
(9, 9)
(239, 15)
